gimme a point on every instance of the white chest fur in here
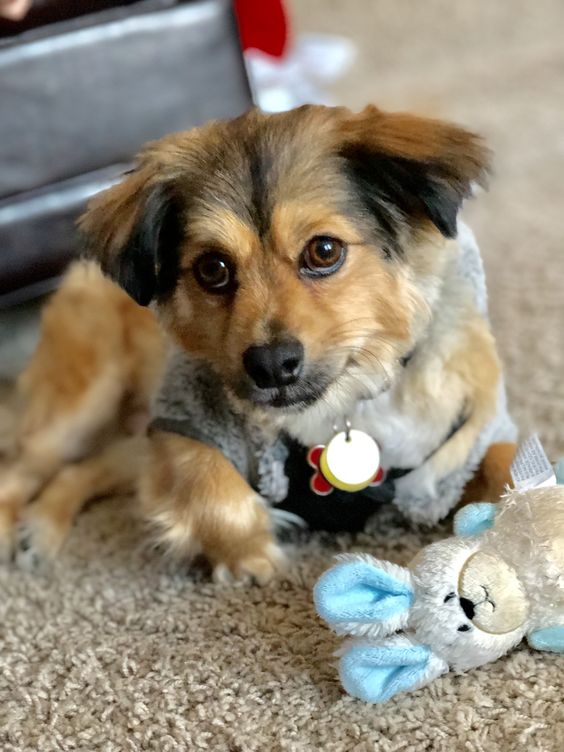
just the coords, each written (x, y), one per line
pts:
(405, 437)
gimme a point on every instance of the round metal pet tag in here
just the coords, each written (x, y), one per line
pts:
(351, 460)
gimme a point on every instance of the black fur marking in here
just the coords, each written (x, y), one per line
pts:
(415, 188)
(260, 165)
(365, 182)
(147, 267)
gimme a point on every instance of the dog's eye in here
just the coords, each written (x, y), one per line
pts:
(215, 273)
(322, 256)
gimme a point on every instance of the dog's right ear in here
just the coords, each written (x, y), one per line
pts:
(411, 168)
(134, 230)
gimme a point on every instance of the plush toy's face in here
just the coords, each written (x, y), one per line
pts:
(496, 601)
(469, 606)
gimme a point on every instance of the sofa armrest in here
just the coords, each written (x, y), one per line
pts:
(86, 95)
(38, 228)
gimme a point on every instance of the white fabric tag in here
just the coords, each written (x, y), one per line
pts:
(531, 467)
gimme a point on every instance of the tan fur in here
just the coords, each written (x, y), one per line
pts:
(91, 378)
(200, 504)
(100, 354)
(470, 376)
(401, 134)
(45, 524)
(493, 476)
(273, 298)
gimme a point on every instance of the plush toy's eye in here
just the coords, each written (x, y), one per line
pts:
(464, 628)
(449, 597)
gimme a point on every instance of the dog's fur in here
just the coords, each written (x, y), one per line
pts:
(84, 402)
(258, 188)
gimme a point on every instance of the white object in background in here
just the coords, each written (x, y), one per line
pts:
(315, 60)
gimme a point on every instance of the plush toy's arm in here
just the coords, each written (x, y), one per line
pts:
(550, 638)
(474, 519)
(376, 671)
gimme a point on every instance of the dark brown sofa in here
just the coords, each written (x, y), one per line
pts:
(79, 95)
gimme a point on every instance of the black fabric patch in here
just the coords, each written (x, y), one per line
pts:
(340, 511)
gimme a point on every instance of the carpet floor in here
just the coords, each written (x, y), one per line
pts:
(116, 650)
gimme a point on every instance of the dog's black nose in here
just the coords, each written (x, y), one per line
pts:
(274, 365)
(468, 607)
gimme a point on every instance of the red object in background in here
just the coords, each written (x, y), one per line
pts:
(263, 25)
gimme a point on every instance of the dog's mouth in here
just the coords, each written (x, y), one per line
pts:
(293, 397)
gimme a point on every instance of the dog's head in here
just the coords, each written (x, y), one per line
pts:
(290, 250)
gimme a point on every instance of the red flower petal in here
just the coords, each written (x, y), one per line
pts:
(378, 478)
(319, 485)
(314, 456)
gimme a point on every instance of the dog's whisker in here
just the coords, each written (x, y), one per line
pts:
(363, 353)
(359, 350)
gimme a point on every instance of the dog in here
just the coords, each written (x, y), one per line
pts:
(306, 269)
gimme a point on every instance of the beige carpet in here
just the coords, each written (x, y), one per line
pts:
(115, 651)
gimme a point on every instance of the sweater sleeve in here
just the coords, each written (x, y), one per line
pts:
(192, 402)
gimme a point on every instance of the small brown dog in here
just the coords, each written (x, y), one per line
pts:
(310, 261)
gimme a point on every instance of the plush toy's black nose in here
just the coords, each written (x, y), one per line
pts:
(468, 607)
(274, 365)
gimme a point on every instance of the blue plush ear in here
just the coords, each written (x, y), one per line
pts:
(474, 519)
(363, 590)
(559, 472)
(375, 673)
(550, 638)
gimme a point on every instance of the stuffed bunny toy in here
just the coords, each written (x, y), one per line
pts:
(461, 603)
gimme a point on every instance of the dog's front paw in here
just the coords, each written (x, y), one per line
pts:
(38, 540)
(200, 506)
(7, 537)
(258, 564)
(10, 505)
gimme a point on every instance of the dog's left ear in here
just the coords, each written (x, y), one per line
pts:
(134, 230)
(410, 168)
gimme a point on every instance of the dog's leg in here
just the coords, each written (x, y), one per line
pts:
(492, 476)
(91, 376)
(470, 377)
(46, 445)
(18, 483)
(45, 524)
(199, 504)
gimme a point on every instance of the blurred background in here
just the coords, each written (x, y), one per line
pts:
(83, 84)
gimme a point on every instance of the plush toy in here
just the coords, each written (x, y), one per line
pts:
(461, 603)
